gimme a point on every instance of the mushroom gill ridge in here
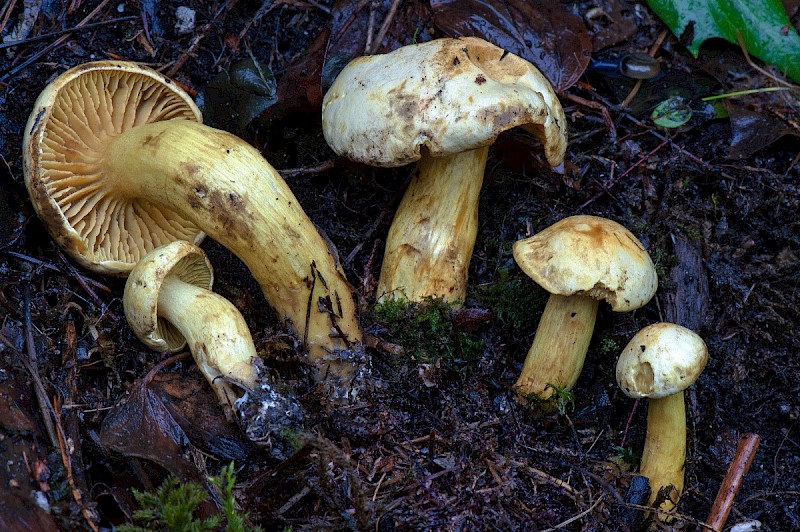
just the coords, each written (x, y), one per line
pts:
(92, 111)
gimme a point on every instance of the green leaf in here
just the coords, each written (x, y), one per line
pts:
(671, 113)
(763, 25)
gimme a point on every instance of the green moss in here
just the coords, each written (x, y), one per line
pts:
(515, 301)
(608, 346)
(425, 330)
(174, 504)
(625, 455)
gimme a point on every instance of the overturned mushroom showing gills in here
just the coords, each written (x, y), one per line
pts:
(580, 260)
(117, 164)
(441, 103)
(659, 363)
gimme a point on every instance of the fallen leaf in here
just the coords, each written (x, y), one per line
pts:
(762, 25)
(196, 409)
(754, 129)
(141, 426)
(238, 95)
(544, 33)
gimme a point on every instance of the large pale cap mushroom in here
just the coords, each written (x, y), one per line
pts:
(441, 103)
(100, 224)
(117, 164)
(447, 96)
(660, 362)
(580, 260)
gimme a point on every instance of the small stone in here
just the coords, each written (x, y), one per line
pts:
(185, 22)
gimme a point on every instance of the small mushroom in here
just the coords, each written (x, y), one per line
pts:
(580, 260)
(441, 103)
(659, 363)
(168, 303)
(117, 164)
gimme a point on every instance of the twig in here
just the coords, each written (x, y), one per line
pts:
(32, 365)
(574, 518)
(638, 85)
(623, 174)
(628, 424)
(313, 169)
(62, 447)
(47, 49)
(745, 452)
(7, 14)
(387, 22)
(373, 6)
(204, 30)
(609, 123)
(75, 29)
(758, 68)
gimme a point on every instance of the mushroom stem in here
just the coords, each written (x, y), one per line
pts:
(664, 452)
(430, 242)
(216, 335)
(224, 186)
(559, 346)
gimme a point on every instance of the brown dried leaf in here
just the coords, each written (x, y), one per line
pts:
(754, 128)
(141, 426)
(196, 409)
(544, 33)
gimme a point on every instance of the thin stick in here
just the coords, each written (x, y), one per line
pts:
(626, 172)
(745, 452)
(47, 49)
(387, 22)
(758, 68)
(576, 517)
(6, 14)
(75, 29)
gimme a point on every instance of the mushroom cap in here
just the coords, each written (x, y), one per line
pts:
(660, 360)
(72, 122)
(178, 259)
(446, 95)
(590, 256)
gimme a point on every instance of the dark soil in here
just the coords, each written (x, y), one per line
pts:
(438, 442)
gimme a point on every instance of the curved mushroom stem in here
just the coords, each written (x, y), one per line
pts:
(664, 452)
(224, 186)
(216, 335)
(559, 346)
(430, 242)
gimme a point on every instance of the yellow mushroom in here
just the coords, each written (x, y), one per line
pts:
(580, 260)
(441, 103)
(168, 303)
(117, 164)
(659, 363)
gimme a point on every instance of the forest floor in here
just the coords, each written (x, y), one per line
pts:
(438, 440)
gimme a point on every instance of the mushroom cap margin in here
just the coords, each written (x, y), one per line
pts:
(47, 173)
(660, 360)
(446, 95)
(180, 259)
(590, 256)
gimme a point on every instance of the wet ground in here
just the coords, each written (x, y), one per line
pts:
(439, 440)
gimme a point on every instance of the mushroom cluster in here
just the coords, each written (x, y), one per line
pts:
(117, 163)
